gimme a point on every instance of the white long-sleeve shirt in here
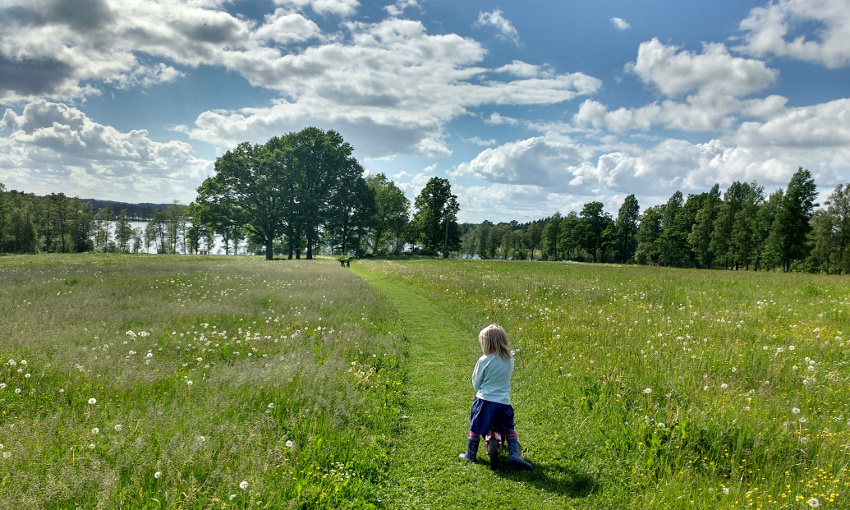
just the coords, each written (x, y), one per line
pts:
(491, 378)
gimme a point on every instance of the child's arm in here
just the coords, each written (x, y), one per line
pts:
(478, 372)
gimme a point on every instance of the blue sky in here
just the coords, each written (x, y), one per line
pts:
(528, 108)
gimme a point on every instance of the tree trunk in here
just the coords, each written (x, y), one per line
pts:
(269, 247)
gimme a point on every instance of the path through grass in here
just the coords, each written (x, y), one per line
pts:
(425, 471)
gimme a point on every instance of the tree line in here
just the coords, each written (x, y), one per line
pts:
(304, 193)
(55, 223)
(743, 229)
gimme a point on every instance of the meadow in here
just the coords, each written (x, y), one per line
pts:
(669, 388)
(231, 382)
(188, 382)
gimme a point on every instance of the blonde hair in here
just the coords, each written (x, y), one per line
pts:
(494, 339)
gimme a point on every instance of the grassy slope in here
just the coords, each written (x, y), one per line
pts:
(425, 471)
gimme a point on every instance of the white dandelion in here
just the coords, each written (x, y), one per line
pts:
(92, 401)
(243, 485)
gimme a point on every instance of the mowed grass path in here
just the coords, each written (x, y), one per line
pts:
(425, 471)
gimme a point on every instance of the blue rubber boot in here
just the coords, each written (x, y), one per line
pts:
(515, 455)
(471, 449)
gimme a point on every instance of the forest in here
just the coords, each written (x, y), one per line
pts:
(304, 193)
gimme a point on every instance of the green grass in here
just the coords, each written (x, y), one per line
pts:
(217, 382)
(660, 388)
(634, 387)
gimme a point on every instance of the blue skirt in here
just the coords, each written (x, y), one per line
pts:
(486, 415)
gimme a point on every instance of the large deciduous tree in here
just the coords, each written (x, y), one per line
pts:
(435, 218)
(286, 186)
(392, 214)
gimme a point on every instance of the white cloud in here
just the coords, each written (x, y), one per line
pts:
(399, 7)
(822, 125)
(714, 81)
(771, 30)
(620, 23)
(390, 90)
(286, 27)
(496, 119)
(714, 71)
(342, 8)
(480, 141)
(523, 69)
(495, 19)
(552, 162)
(51, 145)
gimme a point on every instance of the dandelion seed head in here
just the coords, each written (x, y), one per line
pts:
(118, 427)
(7, 454)
(813, 502)
(157, 474)
(795, 410)
(92, 401)
(647, 391)
(243, 485)
(289, 444)
(95, 431)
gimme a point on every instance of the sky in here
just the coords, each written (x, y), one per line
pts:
(527, 108)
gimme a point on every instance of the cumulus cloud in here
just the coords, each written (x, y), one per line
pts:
(286, 27)
(771, 30)
(73, 44)
(506, 29)
(496, 119)
(548, 161)
(713, 83)
(399, 7)
(51, 145)
(620, 23)
(390, 89)
(336, 7)
(822, 125)
(714, 71)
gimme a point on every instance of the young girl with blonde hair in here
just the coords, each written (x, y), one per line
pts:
(492, 408)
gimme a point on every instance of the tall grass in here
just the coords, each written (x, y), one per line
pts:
(670, 388)
(189, 382)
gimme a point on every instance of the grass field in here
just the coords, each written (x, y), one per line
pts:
(214, 382)
(184, 382)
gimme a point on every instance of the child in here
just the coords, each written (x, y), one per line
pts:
(491, 379)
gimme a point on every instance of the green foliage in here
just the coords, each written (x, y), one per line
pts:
(435, 218)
